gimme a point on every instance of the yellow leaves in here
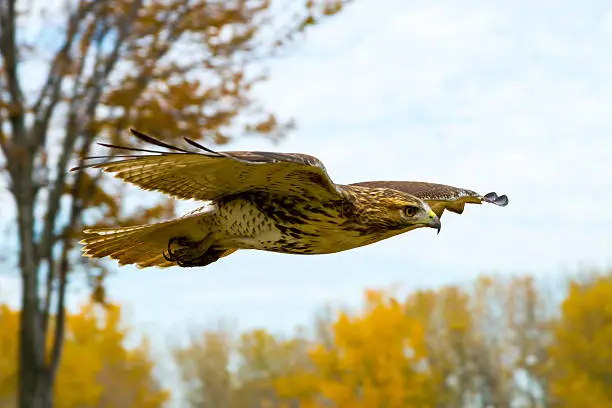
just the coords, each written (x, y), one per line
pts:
(497, 342)
(261, 359)
(9, 329)
(377, 359)
(581, 352)
(96, 369)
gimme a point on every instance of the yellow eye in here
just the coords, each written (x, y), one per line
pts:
(411, 210)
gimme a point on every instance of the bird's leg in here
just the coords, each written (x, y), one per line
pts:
(186, 252)
(179, 248)
(208, 257)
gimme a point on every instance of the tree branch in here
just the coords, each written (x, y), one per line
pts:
(48, 241)
(73, 130)
(8, 50)
(50, 94)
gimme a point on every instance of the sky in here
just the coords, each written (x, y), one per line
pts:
(513, 97)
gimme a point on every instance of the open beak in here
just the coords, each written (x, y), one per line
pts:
(434, 221)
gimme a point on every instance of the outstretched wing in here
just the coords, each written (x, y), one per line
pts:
(439, 196)
(208, 175)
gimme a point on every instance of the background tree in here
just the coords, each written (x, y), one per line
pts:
(581, 356)
(222, 370)
(174, 68)
(378, 359)
(262, 360)
(97, 369)
(487, 344)
(500, 342)
(204, 366)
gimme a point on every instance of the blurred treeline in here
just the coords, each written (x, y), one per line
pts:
(501, 342)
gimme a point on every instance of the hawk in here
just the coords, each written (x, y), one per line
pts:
(279, 202)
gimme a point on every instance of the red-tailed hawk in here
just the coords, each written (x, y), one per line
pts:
(280, 202)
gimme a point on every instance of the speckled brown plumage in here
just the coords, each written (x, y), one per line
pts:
(279, 202)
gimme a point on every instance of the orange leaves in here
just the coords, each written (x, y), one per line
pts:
(315, 11)
(190, 67)
(96, 370)
(172, 68)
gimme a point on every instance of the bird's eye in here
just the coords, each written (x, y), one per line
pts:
(411, 210)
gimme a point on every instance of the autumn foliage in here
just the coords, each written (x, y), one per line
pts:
(501, 342)
(97, 369)
(73, 73)
(377, 359)
(581, 355)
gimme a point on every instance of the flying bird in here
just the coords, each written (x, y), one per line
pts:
(279, 202)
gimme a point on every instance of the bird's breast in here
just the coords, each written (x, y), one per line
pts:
(242, 218)
(290, 225)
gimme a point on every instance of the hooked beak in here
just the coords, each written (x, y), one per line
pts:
(434, 221)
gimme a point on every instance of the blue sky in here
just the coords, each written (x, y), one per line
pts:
(513, 97)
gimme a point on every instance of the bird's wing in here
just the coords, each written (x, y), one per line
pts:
(204, 174)
(439, 196)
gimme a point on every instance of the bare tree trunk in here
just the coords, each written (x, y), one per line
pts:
(32, 390)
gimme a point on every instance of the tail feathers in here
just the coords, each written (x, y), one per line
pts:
(142, 245)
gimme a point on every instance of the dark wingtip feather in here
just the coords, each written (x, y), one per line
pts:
(199, 146)
(156, 142)
(132, 149)
(493, 198)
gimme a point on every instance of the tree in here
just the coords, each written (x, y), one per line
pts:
(204, 365)
(581, 363)
(378, 359)
(530, 317)
(221, 370)
(488, 344)
(97, 368)
(177, 67)
(263, 359)
(447, 319)
(369, 360)
(499, 342)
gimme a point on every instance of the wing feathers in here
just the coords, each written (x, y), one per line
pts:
(157, 142)
(493, 198)
(440, 197)
(208, 174)
(206, 149)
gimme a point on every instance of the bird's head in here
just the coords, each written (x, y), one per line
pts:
(391, 210)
